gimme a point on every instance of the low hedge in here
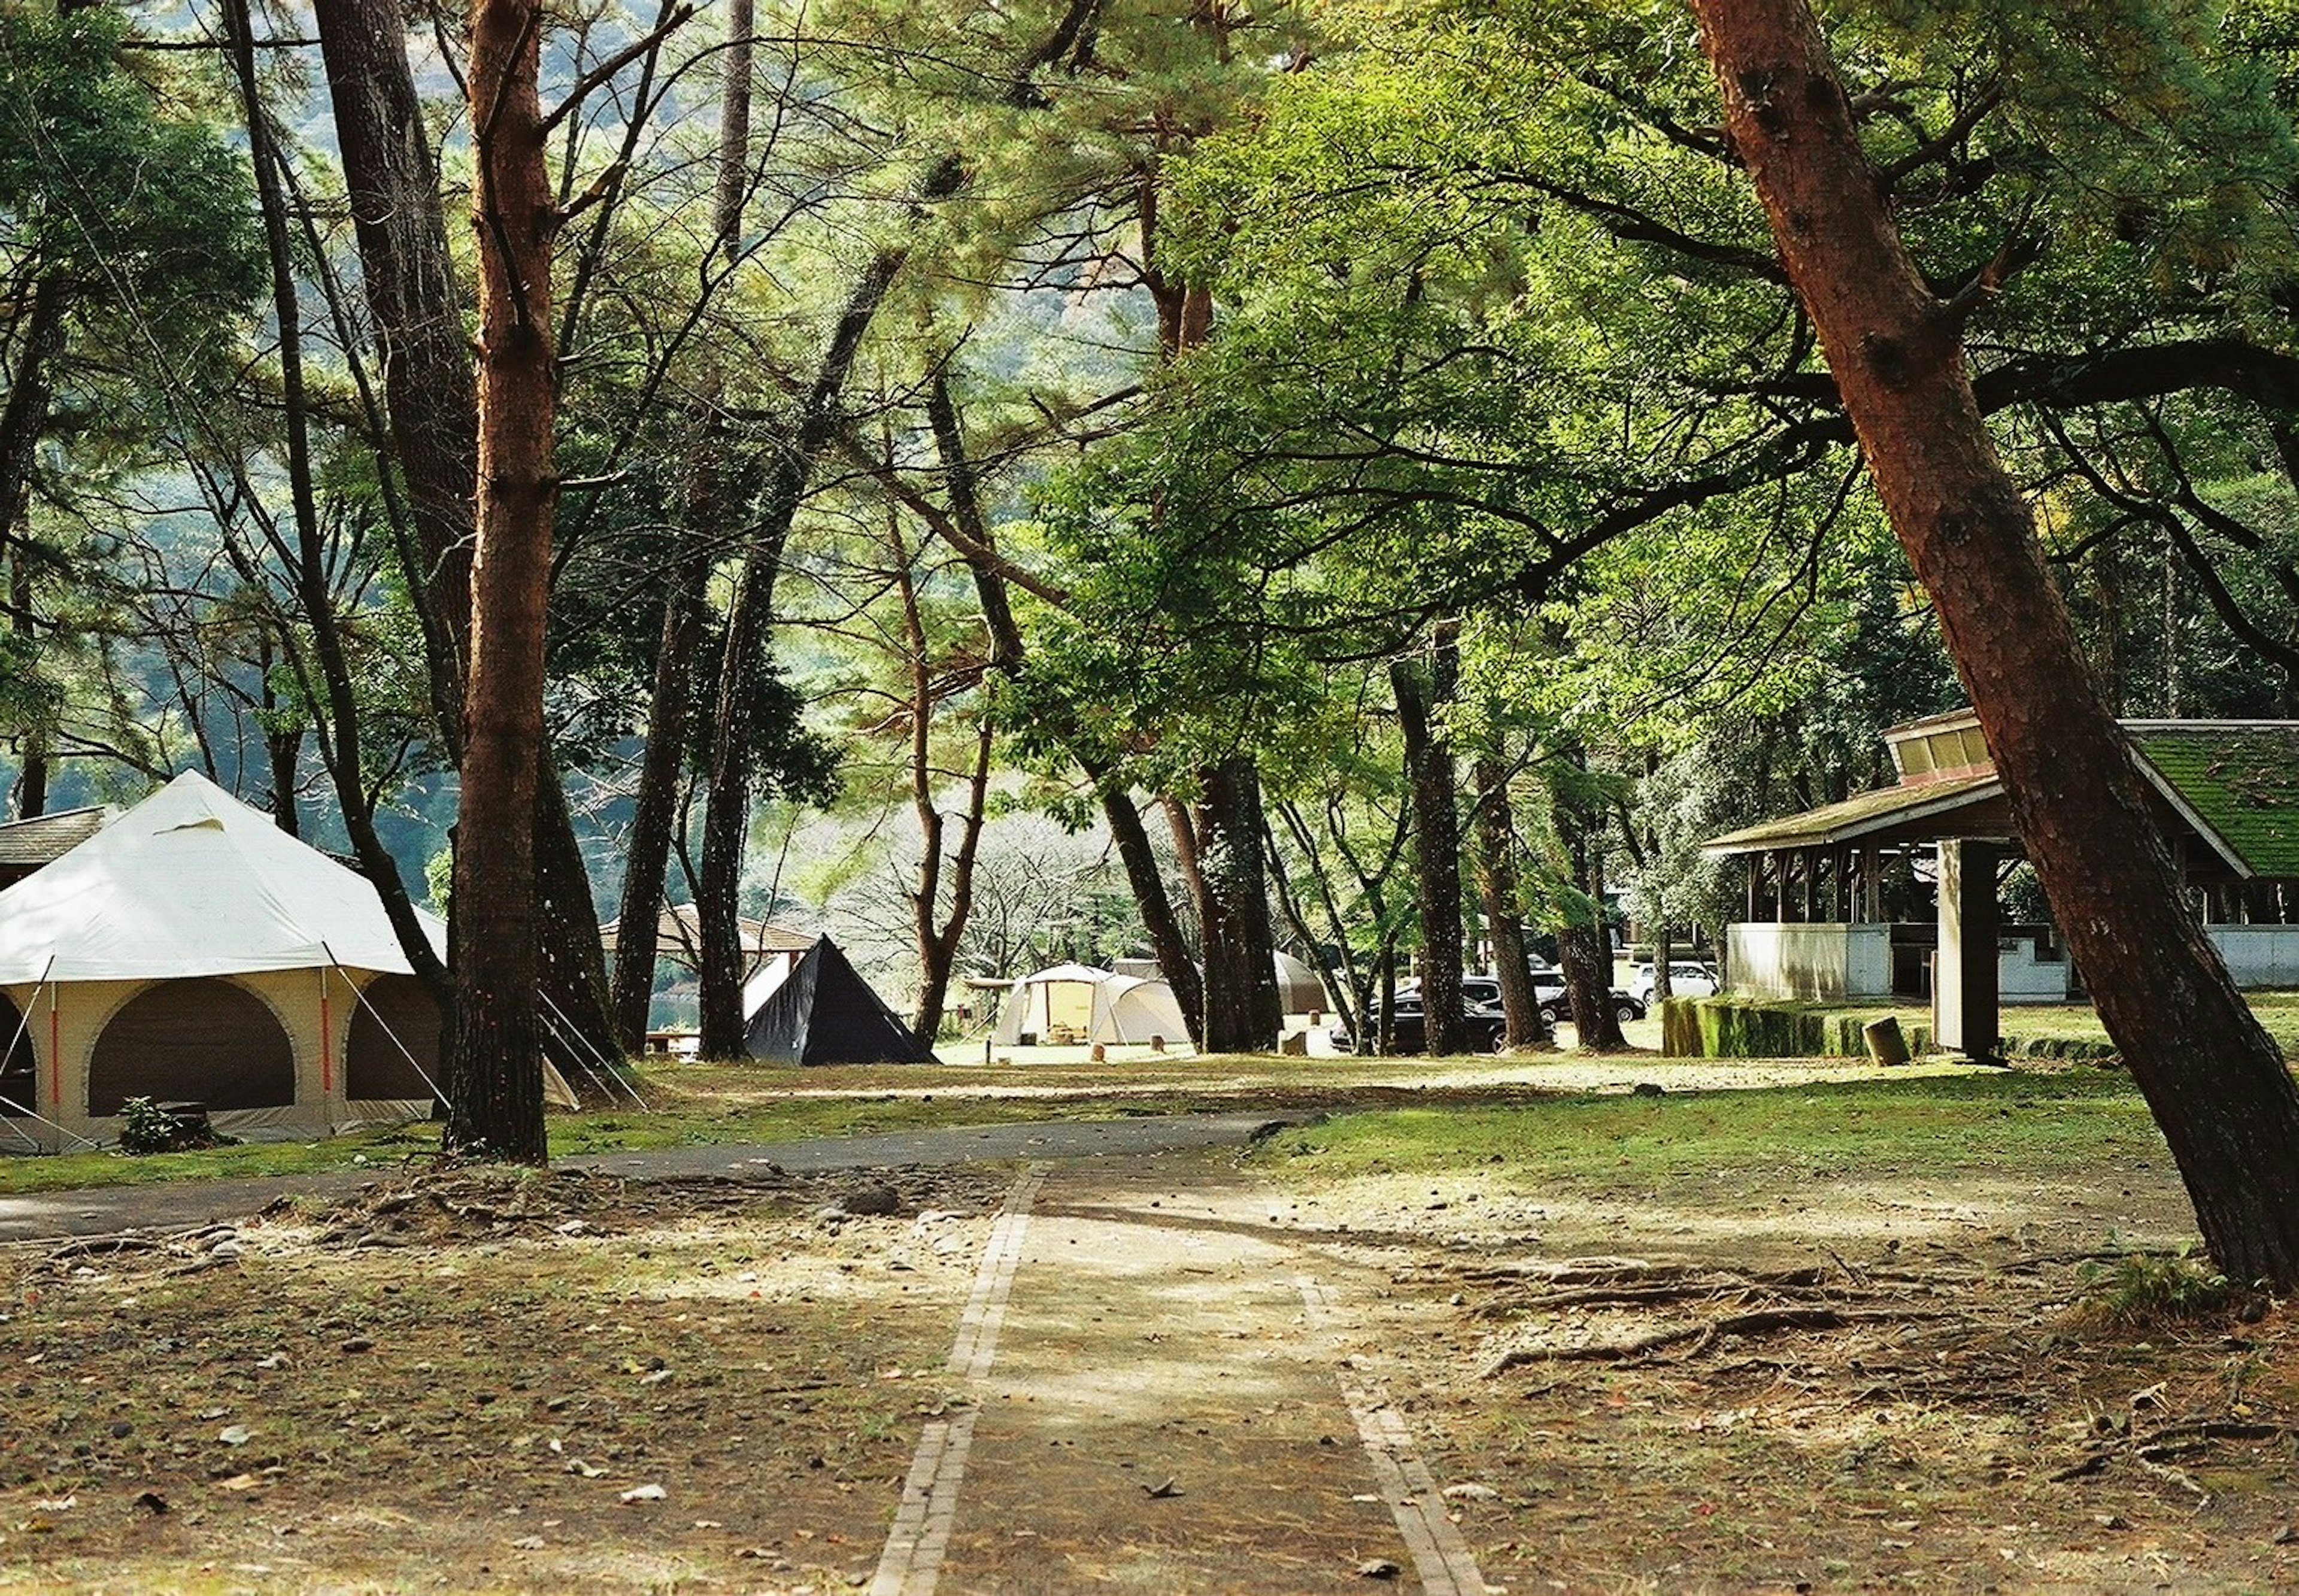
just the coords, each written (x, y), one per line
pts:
(1730, 1027)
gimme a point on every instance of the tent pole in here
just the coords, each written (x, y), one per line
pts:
(23, 1028)
(413, 1062)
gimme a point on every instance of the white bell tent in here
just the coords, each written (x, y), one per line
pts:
(193, 951)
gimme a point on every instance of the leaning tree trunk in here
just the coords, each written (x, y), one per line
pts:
(713, 496)
(1009, 658)
(2215, 1083)
(340, 735)
(746, 657)
(494, 1090)
(1421, 699)
(1243, 1010)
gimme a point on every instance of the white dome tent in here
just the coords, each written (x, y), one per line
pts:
(1077, 1004)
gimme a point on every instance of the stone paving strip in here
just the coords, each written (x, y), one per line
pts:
(1440, 1557)
(912, 1563)
(1154, 1407)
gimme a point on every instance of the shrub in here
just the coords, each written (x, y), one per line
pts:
(2141, 1290)
(146, 1128)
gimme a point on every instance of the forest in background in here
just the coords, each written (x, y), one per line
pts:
(1098, 476)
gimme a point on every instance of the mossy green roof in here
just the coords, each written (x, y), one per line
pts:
(1866, 815)
(2238, 779)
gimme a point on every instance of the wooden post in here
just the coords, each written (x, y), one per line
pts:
(1872, 885)
(1965, 998)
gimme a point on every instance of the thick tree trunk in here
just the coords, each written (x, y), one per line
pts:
(340, 738)
(2215, 1083)
(392, 178)
(494, 1067)
(1422, 697)
(1243, 1010)
(23, 420)
(1497, 885)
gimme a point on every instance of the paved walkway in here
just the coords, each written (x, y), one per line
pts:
(175, 1205)
(1155, 1398)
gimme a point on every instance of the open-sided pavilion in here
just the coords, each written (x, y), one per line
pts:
(1822, 885)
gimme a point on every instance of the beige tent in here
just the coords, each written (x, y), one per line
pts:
(1077, 1003)
(193, 952)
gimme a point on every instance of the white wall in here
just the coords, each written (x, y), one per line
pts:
(1822, 962)
(2259, 955)
(2021, 977)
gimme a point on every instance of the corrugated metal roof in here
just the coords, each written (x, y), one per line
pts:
(46, 838)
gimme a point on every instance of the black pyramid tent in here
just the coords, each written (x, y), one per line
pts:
(825, 1013)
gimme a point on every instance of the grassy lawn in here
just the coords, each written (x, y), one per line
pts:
(2278, 1011)
(690, 1105)
(2041, 1126)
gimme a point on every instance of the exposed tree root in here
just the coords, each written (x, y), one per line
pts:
(1766, 1321)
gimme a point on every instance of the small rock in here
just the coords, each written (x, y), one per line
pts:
(1162, 1489)
(1650, 1089)
(528, 1543)
(151, 1502)
(1378, 1569)
(234, 1435)
(643, 1493)
(871, 1201)
(1470, 1491)
(2286, 1535)
(357, 1343)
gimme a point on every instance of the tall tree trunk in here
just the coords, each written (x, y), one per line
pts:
(494, 1089)
(1243, 1010)
(22, 422)
(654, 817)
(392, 178)
(712, 503)
(1497, 885)
(1422, 694)
(747, 657)
(340, 740)
(2215, 1083)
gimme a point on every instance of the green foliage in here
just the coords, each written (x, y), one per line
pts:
(146, 1128)
(2148, 1291)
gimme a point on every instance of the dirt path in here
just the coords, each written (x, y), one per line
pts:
(1154, 1403)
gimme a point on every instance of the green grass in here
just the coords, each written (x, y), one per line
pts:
(2041, 1126)
(692, 1105)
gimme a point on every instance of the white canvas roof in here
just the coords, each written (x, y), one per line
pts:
(192, 882)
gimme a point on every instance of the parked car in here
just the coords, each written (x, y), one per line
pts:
(1483, 1025)
(1558, 1008)
(1548, 991)
(1686, 978)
